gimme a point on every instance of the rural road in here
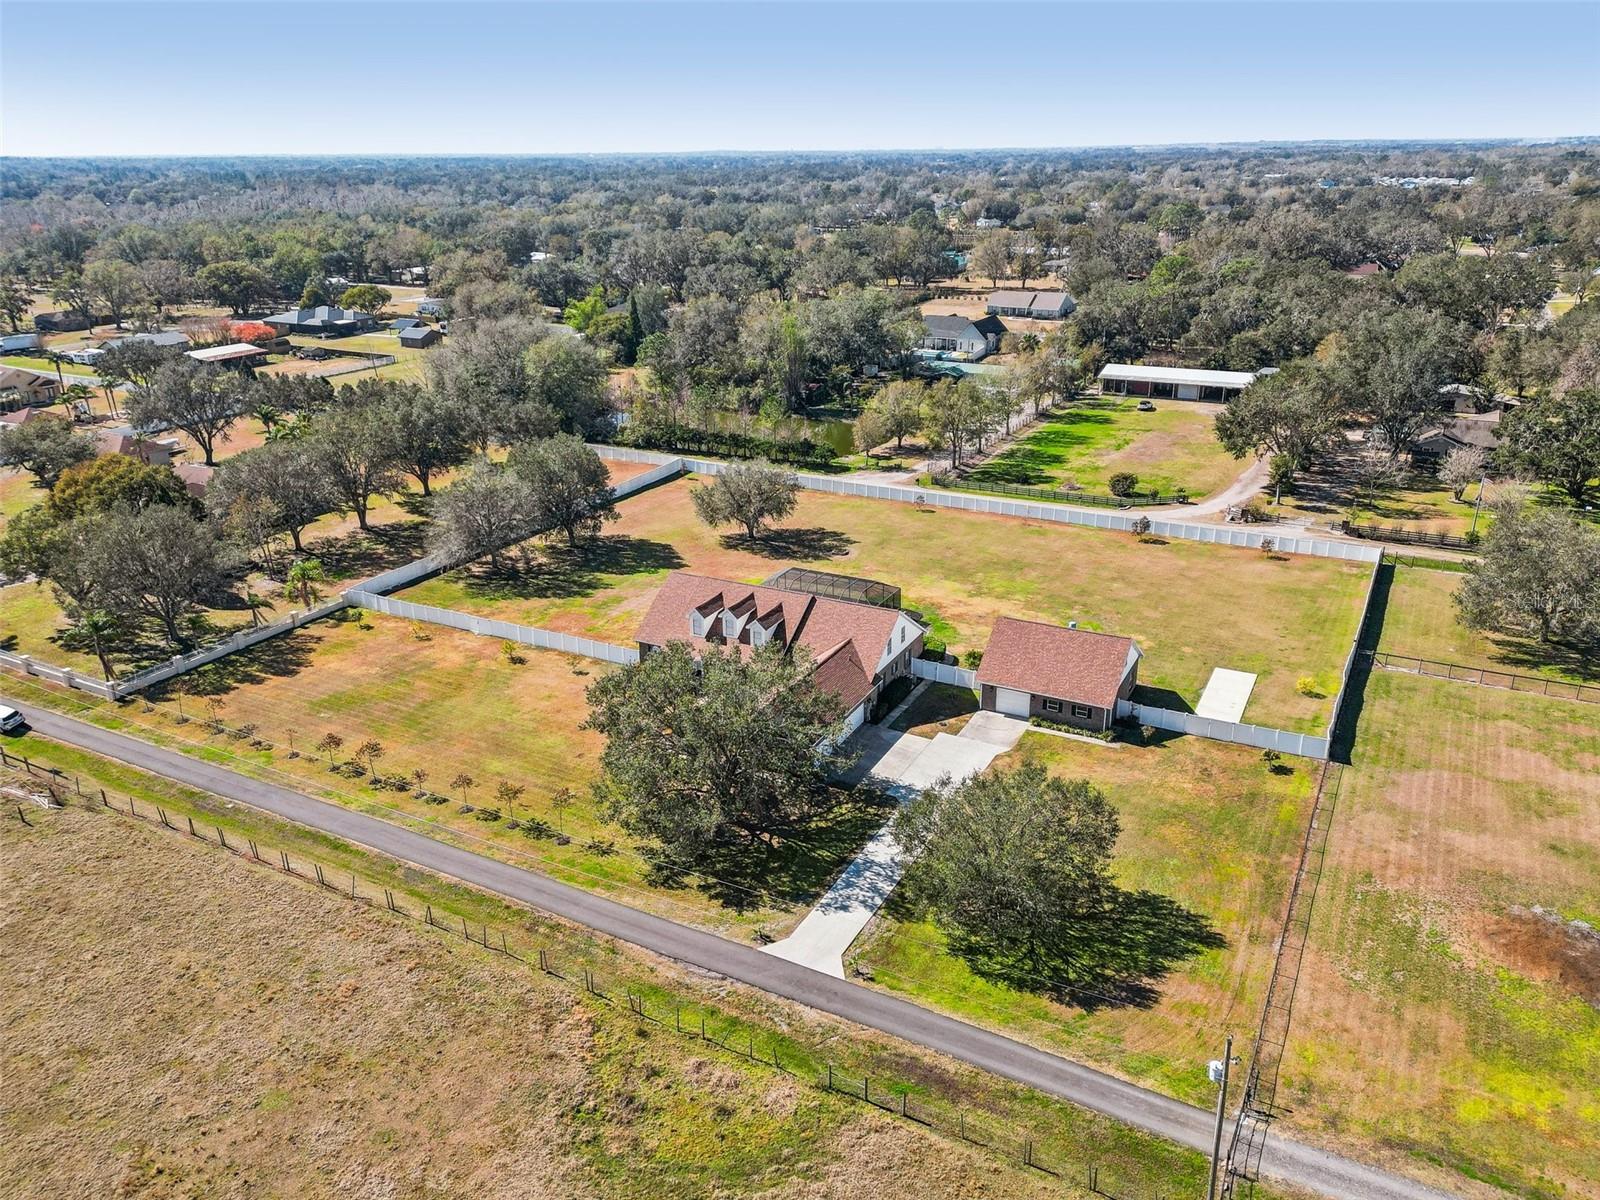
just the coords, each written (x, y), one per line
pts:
(1314, 1169)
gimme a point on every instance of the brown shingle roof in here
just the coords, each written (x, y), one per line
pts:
(846, 640)
(1047, 660)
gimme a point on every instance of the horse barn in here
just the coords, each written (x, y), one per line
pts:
(1173, 383)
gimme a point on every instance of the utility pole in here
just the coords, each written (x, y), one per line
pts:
(1218, 1071)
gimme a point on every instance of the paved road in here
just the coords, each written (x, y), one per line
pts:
(1182, 1123)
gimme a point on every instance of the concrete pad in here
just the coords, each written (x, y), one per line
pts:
(1227, 692)
(947, 755)
(995, 729)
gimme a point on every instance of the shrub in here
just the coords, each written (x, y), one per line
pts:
(1141, 528)
(535, 828)
(513, 656)
(419, 632)
(1307, 685)
(972, 659)
(1123, 483)
(487, 814)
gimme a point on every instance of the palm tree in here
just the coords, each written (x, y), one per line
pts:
(71, 395)
(101, 628)
(268, 416)
(302, 577)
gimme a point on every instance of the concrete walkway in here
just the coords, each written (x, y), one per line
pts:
(904, 765)
(1284, 1158)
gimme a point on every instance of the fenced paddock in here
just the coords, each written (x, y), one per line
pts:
(1489, 677)
(1219, 535)
(522, 635)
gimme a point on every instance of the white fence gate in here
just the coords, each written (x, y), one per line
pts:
(922, 668)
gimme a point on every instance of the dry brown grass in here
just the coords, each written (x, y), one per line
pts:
(180, 1023)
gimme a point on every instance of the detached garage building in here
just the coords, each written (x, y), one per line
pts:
(1070, 676)
(1173, 383)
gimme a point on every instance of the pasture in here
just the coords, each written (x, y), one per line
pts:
(1285, 619)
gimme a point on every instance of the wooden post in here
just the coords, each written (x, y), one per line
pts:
(104, 799)
(192, 833)
(388, 897)
(223, 838)
(162, 813)
(22, 816)
(287, 869)
(430, 913)
(254, 853)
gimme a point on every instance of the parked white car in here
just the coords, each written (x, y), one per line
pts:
(11, 721)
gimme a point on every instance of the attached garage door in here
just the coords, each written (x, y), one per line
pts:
(854, 720)
(1013, 704)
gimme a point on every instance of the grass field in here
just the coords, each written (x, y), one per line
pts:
(1439, 1019)
(1206, 826)
(1173, 447)
(17, 492)
(1281, 619)
(1420, 620)
(449, 703)
(180, 1022)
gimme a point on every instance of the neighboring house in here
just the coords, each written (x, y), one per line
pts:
(855, 648)
(430, 306)
(1464, 400)
(419, 336)
(196, 477)
(1365, 270)
(405, 323)
(174, 339)
(18, 343)
(125, 441)
(1041, 306)
(1070, 676)
(21, 416)
(990, 223)
(962, 335)
(1457, 433)
(61, 322)
(234, 354)
(22, 388)
(326, 320)
(1173, 383)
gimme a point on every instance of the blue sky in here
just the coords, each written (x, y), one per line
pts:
(291, 76)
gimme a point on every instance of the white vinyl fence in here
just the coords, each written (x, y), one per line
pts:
(523, 635)
(1307, 744)
(1221, 535)
(242, 640)
(26, 664)
(922, 668)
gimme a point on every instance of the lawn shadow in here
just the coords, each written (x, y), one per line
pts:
(360, 554)
(566, 572)
(1115, 956)
(801, 544)
(277, 657)
(744, 872)
(1154, 697)
(1030, 461)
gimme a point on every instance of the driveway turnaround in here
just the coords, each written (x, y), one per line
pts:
(1318, 1170)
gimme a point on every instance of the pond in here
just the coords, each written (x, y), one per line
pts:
(837, 434)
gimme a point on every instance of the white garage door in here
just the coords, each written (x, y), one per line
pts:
(853, 721)
(1012, 703)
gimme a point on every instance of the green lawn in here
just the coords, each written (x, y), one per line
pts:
(1173, 447)
(17, 492)
(47, 365)
(1438, 1018)
(1420, 620)
(1204, 825)
(1281, 619)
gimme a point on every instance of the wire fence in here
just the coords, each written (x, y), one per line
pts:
(1489, 677)
(653, 1007)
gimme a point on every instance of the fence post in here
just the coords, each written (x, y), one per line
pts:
(254, 853)
(388, 897)
(321, 882)
(22, 816)
(223, 838)
(162, 813)
(429, 908)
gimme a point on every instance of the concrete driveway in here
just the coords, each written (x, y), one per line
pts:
(904, 765)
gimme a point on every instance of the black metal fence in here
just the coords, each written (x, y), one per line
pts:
(1408, 537)
(1055, 495)
(1489, 677)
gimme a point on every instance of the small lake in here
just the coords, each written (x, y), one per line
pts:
(839, 435)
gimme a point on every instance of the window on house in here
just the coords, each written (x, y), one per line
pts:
(1081, 711)
(1053, 706)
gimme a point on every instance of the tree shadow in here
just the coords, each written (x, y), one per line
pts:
(363, 553)
(566, 572)
(802, 544)
(1031, 461)
(277, 657)
(744, 871)
(1115, 956)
